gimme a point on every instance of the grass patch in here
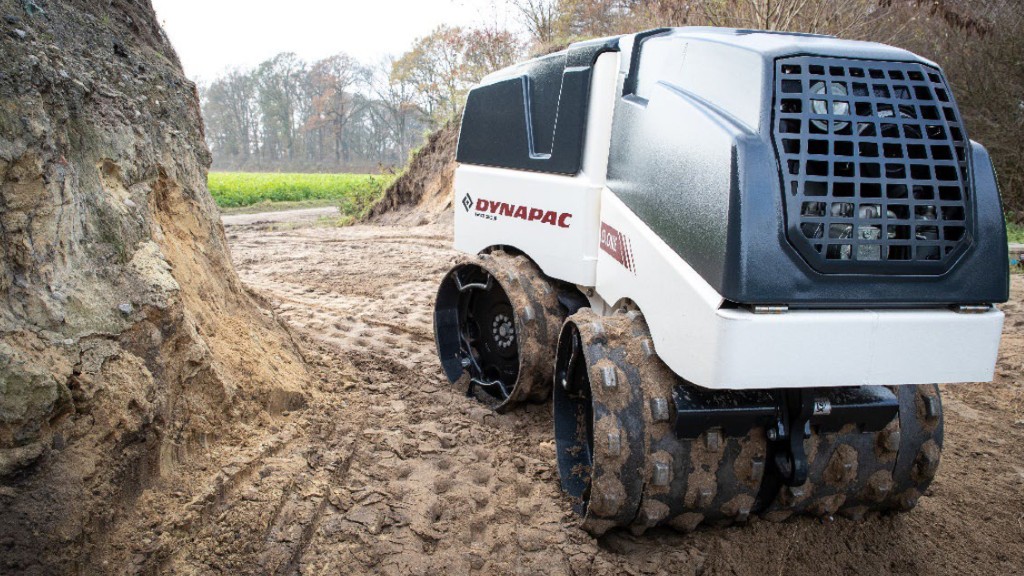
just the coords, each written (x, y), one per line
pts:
(354, 194)
(1015, 233)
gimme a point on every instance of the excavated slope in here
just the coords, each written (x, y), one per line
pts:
(126, 338)
(423, 193)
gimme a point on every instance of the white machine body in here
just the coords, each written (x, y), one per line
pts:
(577, 230)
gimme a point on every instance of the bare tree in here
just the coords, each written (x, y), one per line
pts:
(540, 18)
(444, 65)
(232, 114)
(396, 106)
(846, 18)
(333, 102)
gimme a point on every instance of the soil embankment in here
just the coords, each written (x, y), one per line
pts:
(127, 342)
(422, 194)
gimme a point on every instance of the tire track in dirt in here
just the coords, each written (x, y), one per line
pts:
(391, 470)
(473, 491)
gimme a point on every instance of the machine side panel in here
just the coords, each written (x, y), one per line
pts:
(679, 184)
(733, 348)
(552, 219)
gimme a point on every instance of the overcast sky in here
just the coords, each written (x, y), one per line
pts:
(214, 35)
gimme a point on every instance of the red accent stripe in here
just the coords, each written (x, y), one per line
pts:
(618, 246)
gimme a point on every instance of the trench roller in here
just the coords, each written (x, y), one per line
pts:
(810, 210)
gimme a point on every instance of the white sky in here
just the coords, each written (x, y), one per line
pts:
(212, 36)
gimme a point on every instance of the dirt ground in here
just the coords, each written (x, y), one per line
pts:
(389, 470)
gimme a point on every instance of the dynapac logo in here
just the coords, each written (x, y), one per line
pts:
(618, 246)
(490, 210)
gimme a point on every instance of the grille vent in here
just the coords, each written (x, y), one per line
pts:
(874, 163)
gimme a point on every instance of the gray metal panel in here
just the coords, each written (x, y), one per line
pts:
(668, 161)
(532, 116)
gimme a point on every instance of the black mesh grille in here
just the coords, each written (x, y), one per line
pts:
(874, 163)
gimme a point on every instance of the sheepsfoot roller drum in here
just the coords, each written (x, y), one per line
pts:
(639, 447)
(496, 321)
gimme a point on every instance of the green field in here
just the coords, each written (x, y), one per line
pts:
(352, 193)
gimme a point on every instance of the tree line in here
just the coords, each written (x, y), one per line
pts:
(342, 115)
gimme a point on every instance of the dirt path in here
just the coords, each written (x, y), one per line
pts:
(389, 470)
(279, 217)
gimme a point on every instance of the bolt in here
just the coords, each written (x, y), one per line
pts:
(713, 440)
(650, 517)
(614, 443)
(928, 461)
(662, 474)
(609, 378)
(466, 362)
(773, 434)
(659, 409)
(879, 487)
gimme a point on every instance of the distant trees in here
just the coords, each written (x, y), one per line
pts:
(443, 66)
(338, 114)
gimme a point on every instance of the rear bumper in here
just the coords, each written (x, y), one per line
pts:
(850, 348)
(718, 347)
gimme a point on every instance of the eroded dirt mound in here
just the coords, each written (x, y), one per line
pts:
(423, 193)
(127, 341)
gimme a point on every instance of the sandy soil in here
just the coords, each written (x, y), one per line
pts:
(390, 470)
(302, 215)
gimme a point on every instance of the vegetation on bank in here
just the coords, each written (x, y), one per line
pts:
(1015, 233)
(354, 194)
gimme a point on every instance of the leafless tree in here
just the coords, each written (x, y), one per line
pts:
(539, 17)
